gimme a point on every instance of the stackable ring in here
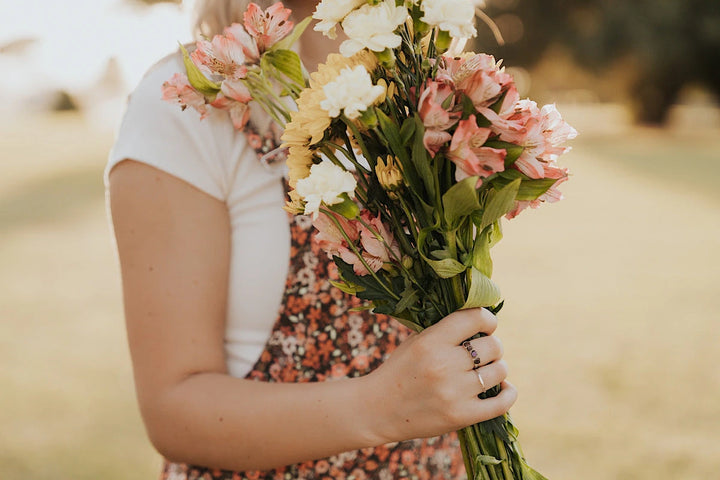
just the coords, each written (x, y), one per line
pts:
(482, 383)
(473, 354)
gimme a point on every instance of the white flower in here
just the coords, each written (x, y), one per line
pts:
(325, 185)
(453, 16)
(373, 27)
(332, 12)
(352, 91)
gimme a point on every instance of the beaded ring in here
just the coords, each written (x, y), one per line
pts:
(473, 354)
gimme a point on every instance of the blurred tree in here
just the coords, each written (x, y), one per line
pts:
(671, 42)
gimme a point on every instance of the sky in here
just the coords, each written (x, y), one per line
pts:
(75, 40)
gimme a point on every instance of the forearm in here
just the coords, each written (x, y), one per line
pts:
(215, 420)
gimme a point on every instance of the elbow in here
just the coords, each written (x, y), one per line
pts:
(166, 430)
(164, 437)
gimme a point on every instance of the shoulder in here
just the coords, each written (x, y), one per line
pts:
(161, 134)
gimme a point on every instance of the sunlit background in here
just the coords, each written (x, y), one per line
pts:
(611, 326)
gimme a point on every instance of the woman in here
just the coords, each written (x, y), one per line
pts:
(230, 387)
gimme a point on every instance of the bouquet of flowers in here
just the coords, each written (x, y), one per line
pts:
(406, 154)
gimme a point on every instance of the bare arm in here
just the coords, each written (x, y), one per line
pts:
(174, 247)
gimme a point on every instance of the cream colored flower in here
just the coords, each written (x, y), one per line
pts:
(352, 92)
(373, 27)
(332, 12)
(326, 185)
(453, 16)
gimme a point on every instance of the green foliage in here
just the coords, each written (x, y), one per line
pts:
(483, 292)
(499, 202)
(460, 201)
(288, 63)
(196, 77)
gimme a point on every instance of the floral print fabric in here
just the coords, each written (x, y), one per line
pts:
(317, 337)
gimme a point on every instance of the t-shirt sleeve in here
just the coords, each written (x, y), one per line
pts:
(161, 134)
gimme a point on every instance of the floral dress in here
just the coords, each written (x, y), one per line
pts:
(318, 337)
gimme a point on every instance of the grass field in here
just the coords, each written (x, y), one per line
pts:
(611, 326)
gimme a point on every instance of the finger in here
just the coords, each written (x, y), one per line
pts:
(487, 350)
(486, 409)
(463, 324)
(484, 378)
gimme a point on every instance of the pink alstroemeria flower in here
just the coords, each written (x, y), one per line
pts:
(234, 98)
(468, 153)
(479, 77)
(521, 125)
(236, 90)
(179, 90)
(556, 131)
(249, 45)
(239, 112)
(268, 27)
(436, 118)
(551, 196)
(374, 250)
(329, 236)
(223, 56)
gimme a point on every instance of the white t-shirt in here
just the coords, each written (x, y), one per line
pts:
(212, 156)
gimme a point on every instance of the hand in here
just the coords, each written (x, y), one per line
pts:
(428, 386)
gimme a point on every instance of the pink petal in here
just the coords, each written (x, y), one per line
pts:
(530, 166)
(434, 140)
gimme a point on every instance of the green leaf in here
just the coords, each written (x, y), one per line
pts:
(346, 287)
(530, 188)
(370, 289)
(421, 160)
(483, 291)
(513, 151)
(481, 259)
(496, 234)
(460, 201)
(409, 297)
(196, 77)
(288, 63)
(287, 42)
(407, 130)
(487, 460)
(529, 473)
(446, 268)
(392, 134)
(500, 202)
(441, 254)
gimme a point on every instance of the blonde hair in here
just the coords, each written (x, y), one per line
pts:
(212, 16)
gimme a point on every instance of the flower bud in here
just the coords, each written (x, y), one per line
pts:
(389, 175)
(407, 262)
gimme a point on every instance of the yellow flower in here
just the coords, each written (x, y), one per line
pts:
(328, 71)
(366, 58)
(389, 175)
(308, 124)
(335, 63)
(314, 119)
(295, 204)
(294, 134)
(299, 161)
